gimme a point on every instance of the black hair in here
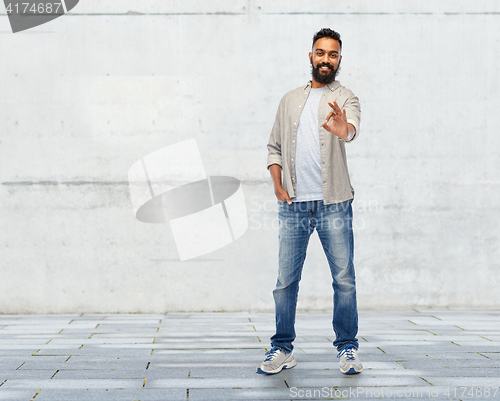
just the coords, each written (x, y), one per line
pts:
(327, 33)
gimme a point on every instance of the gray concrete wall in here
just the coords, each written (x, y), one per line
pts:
(85, 96)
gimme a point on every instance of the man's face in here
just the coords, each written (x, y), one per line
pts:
(325, 60)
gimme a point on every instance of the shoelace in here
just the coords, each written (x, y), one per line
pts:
(272, 354)
(349, 351)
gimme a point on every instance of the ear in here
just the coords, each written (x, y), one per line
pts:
(310, 57)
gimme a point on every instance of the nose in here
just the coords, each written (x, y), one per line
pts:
(324, 59)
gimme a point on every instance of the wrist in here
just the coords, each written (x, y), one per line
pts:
(343, 137)
(345, 133)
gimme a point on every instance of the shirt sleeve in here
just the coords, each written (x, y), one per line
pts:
(274, 144)
(353, 113)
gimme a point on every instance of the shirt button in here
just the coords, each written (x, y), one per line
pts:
(300, 106)
(323, 162)
(293, 178)
(293, 141)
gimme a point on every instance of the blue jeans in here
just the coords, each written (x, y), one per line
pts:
(334, 226)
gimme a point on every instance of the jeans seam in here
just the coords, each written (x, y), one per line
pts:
(303, 258)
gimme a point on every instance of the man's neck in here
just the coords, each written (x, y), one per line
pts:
(316, 84)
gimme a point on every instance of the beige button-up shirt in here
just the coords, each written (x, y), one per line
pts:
(281, 147)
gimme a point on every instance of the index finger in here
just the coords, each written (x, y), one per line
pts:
(336, 107)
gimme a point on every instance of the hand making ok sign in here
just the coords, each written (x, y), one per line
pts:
(338, 125)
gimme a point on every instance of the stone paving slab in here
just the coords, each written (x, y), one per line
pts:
(76, 384)
(213, 356)
(461, 372)
(255, 381)
(491, 355)
(11, 362)
(210, 372)
(111, 395)
(98, 360)
(239, 394)
(27, 374)
(18, 352)
(16, 394)
(92, 350)
(356, 381)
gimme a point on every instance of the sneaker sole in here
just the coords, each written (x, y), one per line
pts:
(273, 372)
(352, 371)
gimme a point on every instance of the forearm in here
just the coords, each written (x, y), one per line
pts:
(280, 193)
(275, 170)
(351, 131)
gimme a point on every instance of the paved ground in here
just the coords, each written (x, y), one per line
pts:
(418, 354)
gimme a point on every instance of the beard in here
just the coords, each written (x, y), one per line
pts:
(323, 78)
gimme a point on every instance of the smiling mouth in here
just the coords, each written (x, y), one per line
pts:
(324, 68)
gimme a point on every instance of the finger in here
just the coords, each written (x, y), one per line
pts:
(327, 126)
(335, 110)
(288, 198)
(330, 115)
(336, 107)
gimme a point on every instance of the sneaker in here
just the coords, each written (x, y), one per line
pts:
(275, 361)
(349, 362)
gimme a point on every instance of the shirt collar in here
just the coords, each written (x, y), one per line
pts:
(332, 86)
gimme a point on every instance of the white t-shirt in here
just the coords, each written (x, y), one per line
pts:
(307, 154)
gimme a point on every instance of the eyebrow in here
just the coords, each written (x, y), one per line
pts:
(333, 51)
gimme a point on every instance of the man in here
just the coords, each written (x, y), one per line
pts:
(307, 143)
